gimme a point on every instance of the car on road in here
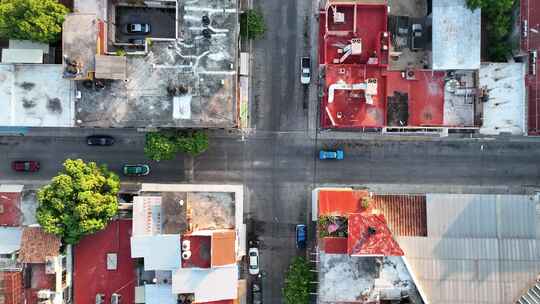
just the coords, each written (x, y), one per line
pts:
(137, 28)
(305, 70)
(99, 140)
(136, 170)
(256, 293)
(331, 154)
(25, 165)
(253, 254)
(137, 41)
(301, 236)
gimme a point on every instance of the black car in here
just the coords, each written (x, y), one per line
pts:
(100, 140)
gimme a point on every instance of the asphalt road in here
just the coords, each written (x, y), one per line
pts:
(280, 169)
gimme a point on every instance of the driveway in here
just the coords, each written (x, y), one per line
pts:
(161, 20)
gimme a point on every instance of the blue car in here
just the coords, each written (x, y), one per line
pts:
(301, 236)
(326, 154)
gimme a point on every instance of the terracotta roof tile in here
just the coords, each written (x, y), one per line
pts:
(37, 245)
(406, 214)
(369, 236)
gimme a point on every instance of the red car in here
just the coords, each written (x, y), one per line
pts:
(25, 165)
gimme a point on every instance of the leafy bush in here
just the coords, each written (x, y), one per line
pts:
(80, 200)
(498, 18)
(334, 226)
(36, 20)
(297, 282)
(165, 145)
(252, 24)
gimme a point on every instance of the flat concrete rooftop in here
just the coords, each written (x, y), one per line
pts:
(189, 81)
(35, 96)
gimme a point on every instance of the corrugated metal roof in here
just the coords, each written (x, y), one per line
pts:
(481, 216)
(466, 270)
(405, 214)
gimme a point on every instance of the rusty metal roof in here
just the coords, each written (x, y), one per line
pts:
(405, 214)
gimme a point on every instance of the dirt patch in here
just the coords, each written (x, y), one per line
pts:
(28, 86)
(28, 103)
(54, 105)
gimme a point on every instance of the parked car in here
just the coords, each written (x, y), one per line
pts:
(329, 154)
(25, 165)
(305, 72)
(137, 41)
(256, 293)
(253, 261)
(301, 236)
(137, 28)
(136, 170)
(99, 140)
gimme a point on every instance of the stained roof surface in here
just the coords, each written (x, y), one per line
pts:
(369, 235)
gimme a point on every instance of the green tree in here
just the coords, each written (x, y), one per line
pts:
(193, 143)
(165, 145)
(297, 282)
(497, 15)
(252, 24)
(160, 146)
(36, 20)
(80, 200)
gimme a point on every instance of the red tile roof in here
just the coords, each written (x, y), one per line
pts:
(337, 245)
(369, 235)
(10, 209)
(37, 245)
(90, 274)
(406, 214)
(340, 202)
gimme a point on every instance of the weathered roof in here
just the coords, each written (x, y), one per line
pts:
(22, 56)
(146, 215)
(482, 216)
(111, 67)
(223, 248)
(79, 42)
(406, 214)
(456, 36)
(340, 202)
(472, 271)
(337, 245)
(37, 245)
(504, 109)
(369, 236)
(11, 239)
(10, 206)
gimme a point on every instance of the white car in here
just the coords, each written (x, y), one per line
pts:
(305, 75)
(253, 261)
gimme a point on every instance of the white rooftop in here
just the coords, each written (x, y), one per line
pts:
(35, 96)
(504, 109)
(207, 284)
(11, 239)
(456, 36)
(160, 252)
(146, 215)
(159, 294)
(22, 56)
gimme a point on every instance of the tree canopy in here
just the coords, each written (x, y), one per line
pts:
(36, 20)
(297, 282)
(165, 145)
(252, 24)
(498, 21)
(80, 200)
